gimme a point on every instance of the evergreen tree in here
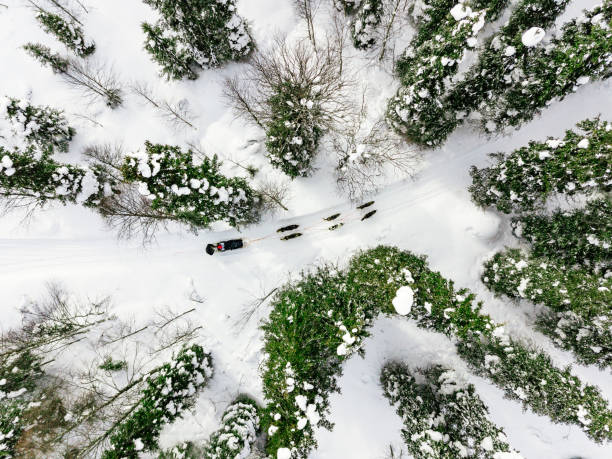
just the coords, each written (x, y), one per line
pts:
(582, 53)
(578, 238)
(365, 22)
(69, 33)
(321, 320)
(417, 111)
(189, 188)
(196, 34)
(238, 431)
(524, 179)
(500, 59)
(93, 80)
(30, 179)
(348, 6)
(44, 127)
(443, 416)
(170, 390)
(580, 318)
(293, 132)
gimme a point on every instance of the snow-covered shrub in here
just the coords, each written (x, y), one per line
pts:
(319, 321)
(417, 111)
(20, 371)
(582, 53)
(443, 416)
(190, 188)
(348, 6)
(582, 237)
(293, 134)
(170, 390)
(30, 179)
(365, 22)
(196, 34)
(94, 80)
(498, 64)
(238, 431)
(69, 33)
(529, 376)
(579, 301)
(185, 450)
(295, 92)
(524, 179)
(45, 127)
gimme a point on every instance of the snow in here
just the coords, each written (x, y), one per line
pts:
(403, 300)
(533, 36)
(431, 214)
(460, 11)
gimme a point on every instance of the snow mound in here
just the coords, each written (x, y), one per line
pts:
(533, 36)
(403, 300)
(283, 453)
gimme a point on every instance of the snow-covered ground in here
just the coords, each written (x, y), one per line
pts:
(429, 214)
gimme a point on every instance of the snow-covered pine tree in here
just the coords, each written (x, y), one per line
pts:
(190, 188)
(580, 54)
(19, 373)
(348, 6)
(31, 179)
(67, 32)
(524, 179)
(417, 110)
(238, 431)
(95, 81)
(365, 22)
(578, 238)
(196, 34)
(170, 390)
(45, 127)
(293, 133)
(499, 60)
(444, 418)
(580, 301)
(295, 92)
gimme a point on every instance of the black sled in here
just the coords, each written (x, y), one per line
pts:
(224, 246)
(287, 228)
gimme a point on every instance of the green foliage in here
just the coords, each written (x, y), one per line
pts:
(68, 33)
(578, 238)
(46, 57)
(529, 376)
(190, 188)
(582, 53)
(293, 132)
(365, 22)
(196, 34)
(443, 416)
(31, 178)
(348, 6)
(321, 320)
(417, 111)
(579, 301)
(170, 390)
(238, 431)
(524, 179)
(44, 127)
(113, 365)
(495, 70)
(19, 373)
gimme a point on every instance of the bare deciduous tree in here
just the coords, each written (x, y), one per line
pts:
(176, 113)
(300, 64)
(365, 151)
(307, 10)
